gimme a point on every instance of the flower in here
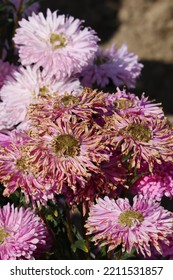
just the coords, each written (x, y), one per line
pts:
(6, 69)
(115, 222)
(57, 43)
(22, 234)
(116, 65)
(126, 104)
(32, 8)
(146, 139)
(17, 172)
(26, 86)
(156, 184)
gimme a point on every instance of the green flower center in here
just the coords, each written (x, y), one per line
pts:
(129, 216)
(3, 235)
(140, 132)
(66, 145)
(123, 104)
(22, 164)
(67, 100)
(44, 91)
(58, 41)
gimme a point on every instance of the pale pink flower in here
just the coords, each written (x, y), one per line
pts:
(140, 226)
(22, 234)
(26, 86)
(112, 65)
(58, 43)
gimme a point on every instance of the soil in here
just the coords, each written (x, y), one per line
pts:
(146, 26)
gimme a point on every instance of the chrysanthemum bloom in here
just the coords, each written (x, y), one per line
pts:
(6, 69)
(59, 44)
(157, 184)
(27, 86)
(20, 4)
(125, 103)
(86, 104)
(148, 139)
(23, 234)
(17, 172)
(116, 65)
(68, 151)
(116, 222)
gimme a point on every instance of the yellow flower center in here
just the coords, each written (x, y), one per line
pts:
(140, 132)
(129, 216)
(44, 91)
(58, 40)
(3, 235)
(67, 100)
(123, 104)
(66, 145)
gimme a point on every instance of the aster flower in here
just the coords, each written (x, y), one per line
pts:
(157, 184)
(17, 172)
(22, 234)
(149, 139)
(116, 222)
(126, 104)
(27, 86)
(57, 43)
(116, 65)
(68, 151)
(6, 69)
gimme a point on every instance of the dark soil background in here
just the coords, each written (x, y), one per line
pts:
(146, 26)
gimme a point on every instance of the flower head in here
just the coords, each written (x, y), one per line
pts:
(57, 43)
(23, 235)
(116, 222)
(118, 66)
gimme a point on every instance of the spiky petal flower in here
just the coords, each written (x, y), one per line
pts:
(148, 139)
(116, 222)
(126, 104)
(22, 234)
(57, 43)
(6, 69)
(26, 86)
(16, 171)
(116, 65)
(157, 184)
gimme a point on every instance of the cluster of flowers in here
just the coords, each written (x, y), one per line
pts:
(109, 153)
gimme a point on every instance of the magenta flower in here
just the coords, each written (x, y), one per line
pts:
(118, 66)
(146, 139)
(57, 43)
(157, 184)
(17, 172)
(23, 235)
(116, 222)
(6, 69)
(26, 86)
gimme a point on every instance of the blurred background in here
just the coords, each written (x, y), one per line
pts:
(146, 26)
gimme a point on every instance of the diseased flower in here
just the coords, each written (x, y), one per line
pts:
(6, 69)
(157, 184)
(126, 104)
(146, 139)
(23, 234)
(17, 172)
(20, 5)
(57, 43)
(112, 65)
(68, 151)
(26, 86)
(116, 222)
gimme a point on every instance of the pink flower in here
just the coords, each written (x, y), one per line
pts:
(6, 69)
(17, 172)
(59, 44)
(111, 65)
(156, 184)
(26, 86)
(22, 234)
(116, 222)
(142, 139)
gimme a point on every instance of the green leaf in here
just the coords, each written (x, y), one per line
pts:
(79, 244)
